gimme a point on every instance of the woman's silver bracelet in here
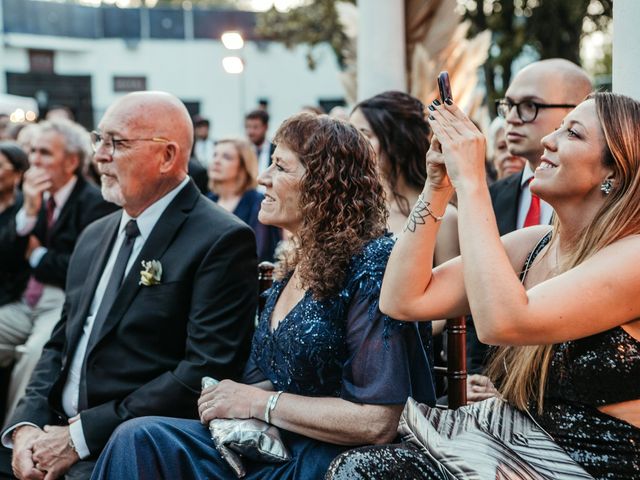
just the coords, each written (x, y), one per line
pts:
(271, 404)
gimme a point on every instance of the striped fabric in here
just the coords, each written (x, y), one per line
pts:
(486, 440)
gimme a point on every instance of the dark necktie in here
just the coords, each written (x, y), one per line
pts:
(51, 208)
(117, 274)
(111, 292)
(35, 289)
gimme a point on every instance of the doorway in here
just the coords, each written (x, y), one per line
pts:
(50, 90)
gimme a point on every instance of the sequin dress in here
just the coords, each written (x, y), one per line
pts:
(342, 346)
(584, 374)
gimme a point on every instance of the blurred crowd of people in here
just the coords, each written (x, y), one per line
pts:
(128, 271)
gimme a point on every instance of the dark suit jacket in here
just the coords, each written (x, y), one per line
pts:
(505, 198)
(158, 341)
(84, 205)
(199, 175)
(14, 268)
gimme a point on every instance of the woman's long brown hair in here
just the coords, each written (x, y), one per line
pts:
(522, 372)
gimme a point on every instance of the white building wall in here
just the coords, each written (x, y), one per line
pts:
(190, 69)
(626, 47)
(381, 47)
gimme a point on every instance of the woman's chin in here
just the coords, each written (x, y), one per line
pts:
(542, 188)
(264, 217)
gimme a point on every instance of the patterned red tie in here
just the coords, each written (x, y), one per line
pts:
(34, 290)
(533, 215)
(51, 209)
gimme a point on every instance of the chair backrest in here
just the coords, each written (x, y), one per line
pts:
(456, 370)
(265, 280)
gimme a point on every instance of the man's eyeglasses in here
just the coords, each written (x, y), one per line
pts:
(98, 140)
(527, 110)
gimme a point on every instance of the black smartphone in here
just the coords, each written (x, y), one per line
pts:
(444, 86)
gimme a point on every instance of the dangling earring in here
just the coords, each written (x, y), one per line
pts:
(606, 186)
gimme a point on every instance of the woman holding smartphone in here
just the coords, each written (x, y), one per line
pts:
(560, 301)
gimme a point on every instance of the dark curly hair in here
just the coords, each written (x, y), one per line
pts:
(398, 120)
(341, 199)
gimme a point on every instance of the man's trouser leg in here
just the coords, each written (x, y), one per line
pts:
(46, 314)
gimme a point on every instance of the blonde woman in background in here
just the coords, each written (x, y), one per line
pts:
(233, 178)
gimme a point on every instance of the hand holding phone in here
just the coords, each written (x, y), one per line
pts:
(444, 86)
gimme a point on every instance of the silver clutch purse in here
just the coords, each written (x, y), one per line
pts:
(250, 438)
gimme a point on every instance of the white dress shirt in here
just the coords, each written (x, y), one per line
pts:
(70, 392)
(264, 158)
(546, 211)
(26, 223)
(203, 150)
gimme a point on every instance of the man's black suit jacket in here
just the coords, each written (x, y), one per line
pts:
(199, 175)
(84, 205)
(14, 268)
(157, 341)
(505, 198)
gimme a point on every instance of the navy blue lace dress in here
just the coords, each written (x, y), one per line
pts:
(342, 346)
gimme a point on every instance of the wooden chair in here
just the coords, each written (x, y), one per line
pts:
(456, 330)
(265, 280)
(456, 369)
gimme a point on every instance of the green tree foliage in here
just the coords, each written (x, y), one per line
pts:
(311, 24)
(200, 3)
(547, 28)
(551, 28)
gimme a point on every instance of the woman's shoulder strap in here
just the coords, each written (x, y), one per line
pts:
(534, 253)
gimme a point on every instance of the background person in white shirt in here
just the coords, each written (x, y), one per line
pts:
(256, 125)
(203, 145)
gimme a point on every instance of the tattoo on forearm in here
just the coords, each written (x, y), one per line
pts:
(418, 215)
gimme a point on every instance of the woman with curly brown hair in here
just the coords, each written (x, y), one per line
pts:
(327, 367)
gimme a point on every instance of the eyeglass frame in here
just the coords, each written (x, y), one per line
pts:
(115, 141)
(537, 105)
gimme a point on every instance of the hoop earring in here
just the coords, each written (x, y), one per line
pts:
(606, 186)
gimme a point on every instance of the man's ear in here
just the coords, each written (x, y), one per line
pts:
(170, 156)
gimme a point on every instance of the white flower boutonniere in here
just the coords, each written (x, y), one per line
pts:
(151, 274)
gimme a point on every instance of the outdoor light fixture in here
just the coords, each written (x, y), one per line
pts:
(232, 65)
(17, 116)
(232, 40)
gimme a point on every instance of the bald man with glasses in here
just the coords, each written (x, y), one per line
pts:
(535, 103)
(159, 295)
